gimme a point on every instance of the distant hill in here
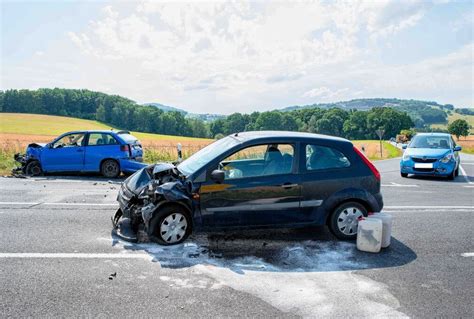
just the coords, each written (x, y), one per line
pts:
(167, 108)
(366, 104)
(207, 117)
(422, 112)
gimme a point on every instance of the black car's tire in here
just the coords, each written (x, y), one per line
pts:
(171, 225)
(33, 168)
(343, 221)
(110, 168)
(404, 174)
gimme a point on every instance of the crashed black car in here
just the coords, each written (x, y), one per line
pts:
(251, 180)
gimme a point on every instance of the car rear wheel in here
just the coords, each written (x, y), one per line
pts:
(170, 226)
(344, 220)
(110, 168)
(33, 168)
(404, 174)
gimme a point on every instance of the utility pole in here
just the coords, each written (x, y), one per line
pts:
(380, 132)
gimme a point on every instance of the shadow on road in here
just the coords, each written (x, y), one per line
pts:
(304, 250)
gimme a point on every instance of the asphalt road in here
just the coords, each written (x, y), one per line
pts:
(58, 258)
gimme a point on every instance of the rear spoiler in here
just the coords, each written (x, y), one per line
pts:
(123, 132)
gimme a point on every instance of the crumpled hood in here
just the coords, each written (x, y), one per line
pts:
(162, 167)
(428, 152)
(33, 150)
(36, 145)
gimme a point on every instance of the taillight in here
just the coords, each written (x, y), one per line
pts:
(368, 163)
(125, 148)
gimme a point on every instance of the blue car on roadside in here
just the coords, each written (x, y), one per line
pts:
(101, 151)
(432, 154)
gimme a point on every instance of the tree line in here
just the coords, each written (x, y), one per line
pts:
(126, 114)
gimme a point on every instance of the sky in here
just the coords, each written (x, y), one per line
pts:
(242, 56)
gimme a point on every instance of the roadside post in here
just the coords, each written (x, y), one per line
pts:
(380, 132)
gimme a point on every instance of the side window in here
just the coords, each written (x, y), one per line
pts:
(70, 140)
(260, 160)
(97, 139)
(321, 157)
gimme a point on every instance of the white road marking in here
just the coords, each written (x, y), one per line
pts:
(431, 208)
(59, 204)
(392, 184)
(467, 254)
(463, 173)
(464, 163)
(75, 256)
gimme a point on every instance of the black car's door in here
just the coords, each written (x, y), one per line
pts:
(261, 188)
(325, 171)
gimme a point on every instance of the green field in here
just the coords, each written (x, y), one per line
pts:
(36, 124)
(453, 117)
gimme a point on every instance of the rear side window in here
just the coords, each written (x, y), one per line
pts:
(98, 139)
(322, 157)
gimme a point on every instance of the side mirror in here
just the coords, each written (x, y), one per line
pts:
(218, 176)
(457, 148)
(404, 146)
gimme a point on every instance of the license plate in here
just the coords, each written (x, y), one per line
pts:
(423, 165)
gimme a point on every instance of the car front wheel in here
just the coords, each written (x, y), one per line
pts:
(33, 168)
(110, 168)
(344, 220)
(403, 174)
(452, 176)
(171, 225)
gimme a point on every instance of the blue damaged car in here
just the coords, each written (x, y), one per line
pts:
(105, 152)
(432, 154)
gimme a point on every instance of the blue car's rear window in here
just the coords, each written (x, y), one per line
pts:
(128, 138)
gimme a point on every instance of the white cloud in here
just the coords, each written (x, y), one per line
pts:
(226, 56)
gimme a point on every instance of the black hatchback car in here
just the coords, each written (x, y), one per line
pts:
(265, 179)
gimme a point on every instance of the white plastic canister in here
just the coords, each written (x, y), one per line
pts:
(369, 235)
(387, 227)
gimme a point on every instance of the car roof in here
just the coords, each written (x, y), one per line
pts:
(97, 131)
(433, 134)
(275, 135)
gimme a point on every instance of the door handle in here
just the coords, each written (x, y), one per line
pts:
(288, 185)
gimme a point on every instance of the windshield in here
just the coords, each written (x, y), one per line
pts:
(430, 141)
(196, 161)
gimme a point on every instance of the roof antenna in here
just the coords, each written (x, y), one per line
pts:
(236, 134)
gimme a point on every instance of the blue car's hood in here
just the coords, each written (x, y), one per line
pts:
(33, 150)
(428, 152)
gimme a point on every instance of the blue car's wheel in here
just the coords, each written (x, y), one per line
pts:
(404, 174)
(453, 175)
(110, 168)
(33, 168)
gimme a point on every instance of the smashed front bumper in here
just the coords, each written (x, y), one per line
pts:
(122, 227)
(22, 160)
